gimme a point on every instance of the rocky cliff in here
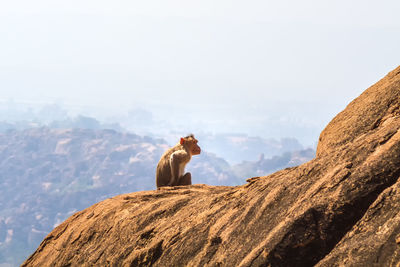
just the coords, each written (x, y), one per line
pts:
(341, 208)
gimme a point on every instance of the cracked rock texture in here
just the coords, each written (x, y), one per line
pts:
(340, 209)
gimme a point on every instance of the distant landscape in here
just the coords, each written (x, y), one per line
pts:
(53, 165)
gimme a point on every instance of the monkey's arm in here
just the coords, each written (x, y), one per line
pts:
(177, 159)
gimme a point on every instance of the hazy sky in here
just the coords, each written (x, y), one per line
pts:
(209, 59)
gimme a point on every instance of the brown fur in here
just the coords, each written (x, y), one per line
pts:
(170, 168)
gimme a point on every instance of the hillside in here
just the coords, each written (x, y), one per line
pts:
(47, 174)
(341, 208)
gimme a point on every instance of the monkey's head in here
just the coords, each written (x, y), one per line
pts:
(190, 143)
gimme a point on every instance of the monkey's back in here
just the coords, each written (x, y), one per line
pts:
(163, 171)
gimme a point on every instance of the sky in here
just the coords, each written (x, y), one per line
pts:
(242, 66)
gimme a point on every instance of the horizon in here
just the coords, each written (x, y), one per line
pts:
(262, 68)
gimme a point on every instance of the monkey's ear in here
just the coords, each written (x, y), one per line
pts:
(182, 141)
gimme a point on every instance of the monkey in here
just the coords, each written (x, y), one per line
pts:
(171, 167)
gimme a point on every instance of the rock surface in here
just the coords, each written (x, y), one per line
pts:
(341, 208)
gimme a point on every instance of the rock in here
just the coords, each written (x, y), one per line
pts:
(341, 208)
(376, 105)
(373, 239)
